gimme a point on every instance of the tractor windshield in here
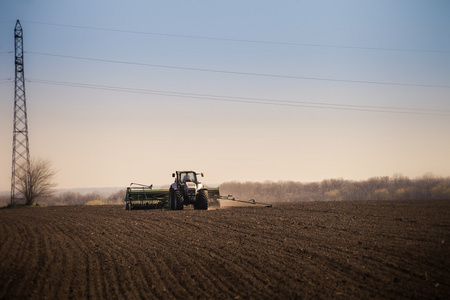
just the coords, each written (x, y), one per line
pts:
(188, 176)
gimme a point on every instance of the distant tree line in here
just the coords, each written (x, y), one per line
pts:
(73, 198)
(397, 187)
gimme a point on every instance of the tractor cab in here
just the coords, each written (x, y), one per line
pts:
(182, 177)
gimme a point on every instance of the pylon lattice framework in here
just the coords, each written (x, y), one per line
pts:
(21, 151)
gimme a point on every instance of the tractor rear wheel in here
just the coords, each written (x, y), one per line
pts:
(176, 200)
(202, 200)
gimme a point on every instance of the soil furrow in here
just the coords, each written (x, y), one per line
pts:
(350, 249)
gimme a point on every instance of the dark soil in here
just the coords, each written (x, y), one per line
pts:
(365, 249)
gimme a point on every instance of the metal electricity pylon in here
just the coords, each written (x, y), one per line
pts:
(21, 151)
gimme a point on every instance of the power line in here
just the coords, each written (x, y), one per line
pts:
(7, 80)
(242, 40)
(260, 101)
(242, 73)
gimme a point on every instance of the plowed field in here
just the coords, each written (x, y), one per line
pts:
(380, 249)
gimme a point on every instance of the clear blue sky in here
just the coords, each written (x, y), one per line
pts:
(297, 90)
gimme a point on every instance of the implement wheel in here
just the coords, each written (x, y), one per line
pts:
(202, 200)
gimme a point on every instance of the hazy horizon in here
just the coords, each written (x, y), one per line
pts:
(241, 91)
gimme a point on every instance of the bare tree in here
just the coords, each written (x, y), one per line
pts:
(37, 181)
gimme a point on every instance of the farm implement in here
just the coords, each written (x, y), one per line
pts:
(186, 190)
(142, 196)
(251, 201)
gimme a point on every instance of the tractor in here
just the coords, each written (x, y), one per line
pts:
(187, 189)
